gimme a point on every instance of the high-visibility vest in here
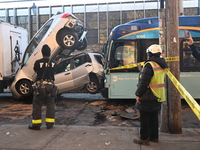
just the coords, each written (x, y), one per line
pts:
(157, 84)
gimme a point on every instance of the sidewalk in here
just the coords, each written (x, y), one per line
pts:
(19, 137)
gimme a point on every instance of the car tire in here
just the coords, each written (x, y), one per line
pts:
(67, 39)
(93, 86)
(24, 88)
(104, 92)
(82, 45)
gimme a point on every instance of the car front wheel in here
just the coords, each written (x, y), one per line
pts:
(24, 88)
(93, 86)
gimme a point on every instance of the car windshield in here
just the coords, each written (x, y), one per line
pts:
(100, 59)
(36, 40)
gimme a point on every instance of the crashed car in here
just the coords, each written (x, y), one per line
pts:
(81, 71)
(84, 70)
(62, 32)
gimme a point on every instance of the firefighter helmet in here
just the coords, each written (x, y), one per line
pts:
(154, 49)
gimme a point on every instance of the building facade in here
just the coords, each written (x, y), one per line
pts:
(99, 18)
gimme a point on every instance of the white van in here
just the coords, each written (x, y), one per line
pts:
(13, 42)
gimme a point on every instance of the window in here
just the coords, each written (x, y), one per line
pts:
(36, 40)
(64, 66)
(188, 62)
(123, 53)
(100, 59)
(31, 47)
(79, 60)
(38, 37)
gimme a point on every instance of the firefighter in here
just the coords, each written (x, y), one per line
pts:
(44, 90)
(150, 95)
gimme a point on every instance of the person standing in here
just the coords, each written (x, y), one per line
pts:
(150, 94)
(195, 51)
(44, 91)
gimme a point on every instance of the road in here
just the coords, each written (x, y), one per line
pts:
(85, 109)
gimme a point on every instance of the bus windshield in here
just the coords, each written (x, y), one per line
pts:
(123, 53)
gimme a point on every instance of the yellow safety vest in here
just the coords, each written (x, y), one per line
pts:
(157, 84)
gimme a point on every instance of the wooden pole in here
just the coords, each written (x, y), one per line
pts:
(172, 34)
(162, 43)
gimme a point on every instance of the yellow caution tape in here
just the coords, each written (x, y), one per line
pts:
(128, 66)
(168, 59)
(186, 95)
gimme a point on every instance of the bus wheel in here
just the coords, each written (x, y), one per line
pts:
(24, 88)
(93, 86)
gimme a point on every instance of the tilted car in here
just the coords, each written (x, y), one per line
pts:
(62, 32)
(82, 71)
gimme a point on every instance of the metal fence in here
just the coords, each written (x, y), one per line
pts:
(98, 18)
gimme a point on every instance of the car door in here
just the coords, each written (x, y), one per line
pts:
(63, 78)
(81, 70)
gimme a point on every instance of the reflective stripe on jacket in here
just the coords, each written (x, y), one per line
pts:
(157, 84)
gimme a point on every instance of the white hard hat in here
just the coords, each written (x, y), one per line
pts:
(154, 49)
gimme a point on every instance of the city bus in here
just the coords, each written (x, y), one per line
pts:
(127, 44)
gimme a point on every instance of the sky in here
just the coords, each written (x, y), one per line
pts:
(28, 3)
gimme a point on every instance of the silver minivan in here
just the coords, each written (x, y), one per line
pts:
(63, 32)
(82, 71)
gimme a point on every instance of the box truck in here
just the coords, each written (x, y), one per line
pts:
(13, 42)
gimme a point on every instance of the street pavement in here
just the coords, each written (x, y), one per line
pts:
(61, 137)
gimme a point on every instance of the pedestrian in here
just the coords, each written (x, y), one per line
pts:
(44, 90)
(150, 94)
(195, 51)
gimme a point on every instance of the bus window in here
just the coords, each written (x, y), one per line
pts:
(123, 53)
(189, 63)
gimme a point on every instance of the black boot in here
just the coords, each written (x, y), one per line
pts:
(141, 141)
(34, 127)
(49, 125)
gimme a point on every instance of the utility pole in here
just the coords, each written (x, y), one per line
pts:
(162, 43)
(172, 36)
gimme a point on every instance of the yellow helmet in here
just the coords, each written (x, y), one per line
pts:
(154, 49)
